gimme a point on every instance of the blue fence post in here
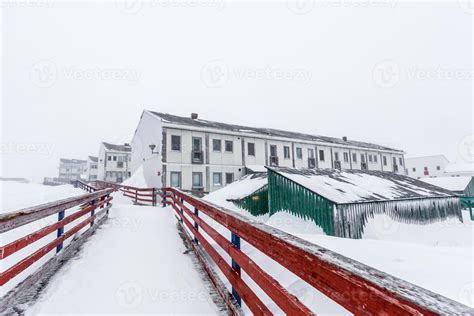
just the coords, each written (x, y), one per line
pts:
(236, 242)
(60, 231)
(92, 212)
(196, 212)
(181, 209)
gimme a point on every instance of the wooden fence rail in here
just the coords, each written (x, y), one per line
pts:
(94, 206)
(138, 195)
(360, 289)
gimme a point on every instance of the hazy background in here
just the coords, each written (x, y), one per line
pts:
(73, 75)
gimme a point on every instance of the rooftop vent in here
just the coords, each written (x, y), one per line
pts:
(194, 116)
(127, 144)
(344, 138)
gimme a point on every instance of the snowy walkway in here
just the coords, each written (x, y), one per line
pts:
(133, 264)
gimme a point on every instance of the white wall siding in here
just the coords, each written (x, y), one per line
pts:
(149, 131)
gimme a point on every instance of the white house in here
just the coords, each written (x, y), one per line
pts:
(114, 162)
(196, 154)
(437, 166)
(426, 166)
(92, 165)
(72, 169)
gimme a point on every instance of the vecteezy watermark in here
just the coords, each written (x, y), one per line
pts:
(466, 148)
(131, 295)
(43, 149)
(388, 73)
(306, 6)
(26, 3)
(135, 6)
(385, 226)
(467, 6)
(45, 74)
(217, 73)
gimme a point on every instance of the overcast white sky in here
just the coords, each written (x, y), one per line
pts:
(73, 75)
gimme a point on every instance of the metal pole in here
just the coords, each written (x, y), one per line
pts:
(60, 231)
(196, 212)
(236, 242)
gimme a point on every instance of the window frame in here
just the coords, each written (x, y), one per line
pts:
(299, 153)
(214, 142)
(179, 143)
(253, 149)
(354, 157)
(226, 175)
(231, 142)
(286, 150)
(179, 179)
(219, 184)
(345, 156)
(321, 155)
(200, 177)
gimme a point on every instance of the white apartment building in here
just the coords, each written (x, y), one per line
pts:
(92, 168)
(72, 169)
(114, 162)
(196, 154)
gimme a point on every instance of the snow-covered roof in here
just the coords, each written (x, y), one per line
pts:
(243, 187)
(180, 120)
(123, 148)
(456, 167)
(93, 159)
(65, 160)
(356, 186)
(256, 168)
(450, 183)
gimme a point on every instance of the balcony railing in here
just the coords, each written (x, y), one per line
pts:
(197, 157)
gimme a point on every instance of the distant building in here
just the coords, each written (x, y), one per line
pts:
(72, 169)
(200, 155)
(114, 162)
(92, 166)
(436, 166)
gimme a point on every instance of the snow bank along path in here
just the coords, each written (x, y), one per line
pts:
(135, 263)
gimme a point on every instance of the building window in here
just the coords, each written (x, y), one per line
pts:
(384, 158)
(336, 156)
(425, 168)
(175, 179)
(438, 168)
(375, 159)
(299, 153)
(251, 149)
(197, 179)
(400, 160)
(346, 157)
(217, 178)
(321, 155)
(229, 146)
(370, 158)
(216, 145)
(286, 152)
(109, 158)
(354, 157)
(115, 158)
(176, 142)
(273, 150)
(229, 178)
(362, 158)
(310, 153)
(414, 169)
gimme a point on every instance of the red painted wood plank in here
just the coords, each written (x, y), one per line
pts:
(286, 301)
(21, 243)
(28, 261)
(249, 297)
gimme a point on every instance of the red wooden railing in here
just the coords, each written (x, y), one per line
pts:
(138, 195)
(92, 206)
(360, 289)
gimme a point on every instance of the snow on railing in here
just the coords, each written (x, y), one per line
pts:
(94, 207)
(84, 186)
(360, 289)
(138, 195)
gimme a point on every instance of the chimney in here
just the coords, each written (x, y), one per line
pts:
(344, 138)
(126, 145)
(194, 116)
